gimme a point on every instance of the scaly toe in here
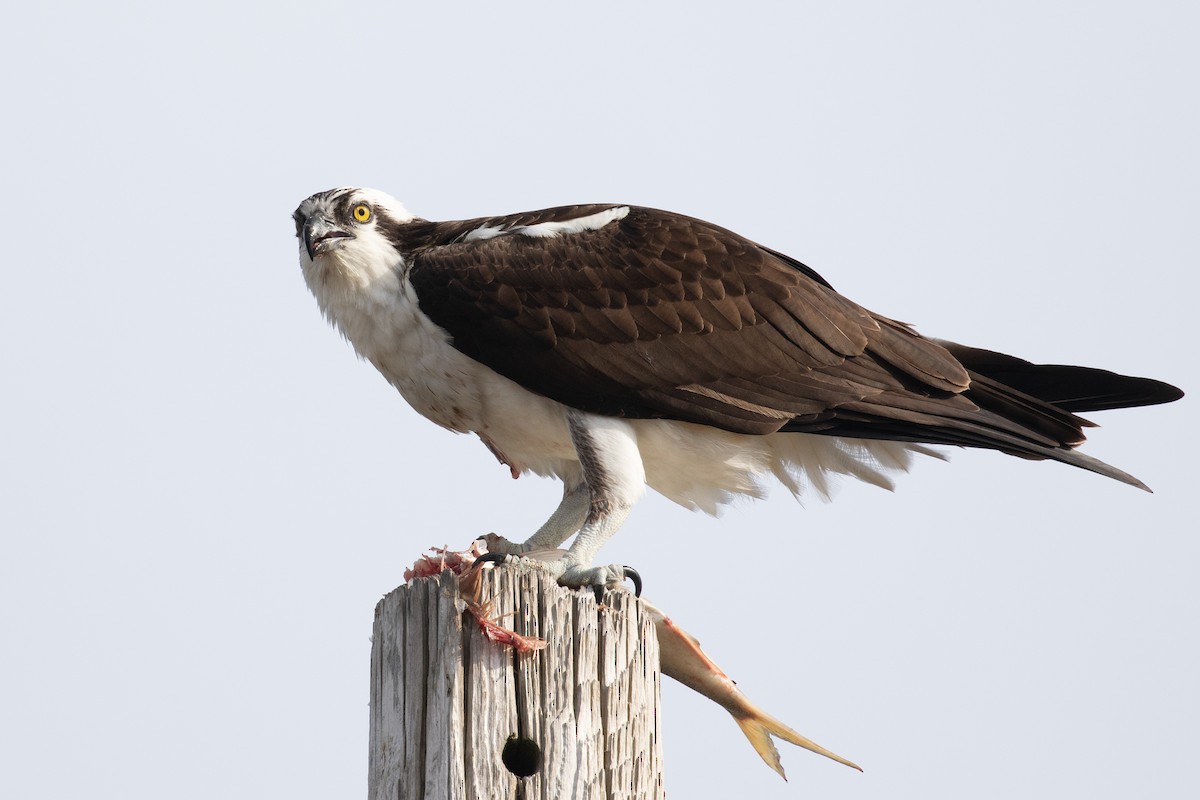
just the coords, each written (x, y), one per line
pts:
(496, 543)
(601, 578)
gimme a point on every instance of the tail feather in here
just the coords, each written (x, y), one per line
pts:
(1011, 405)
(1093, 464)
(1070, 388)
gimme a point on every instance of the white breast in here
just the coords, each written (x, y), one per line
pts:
(527, 431)
(377, 311)
(367, 297)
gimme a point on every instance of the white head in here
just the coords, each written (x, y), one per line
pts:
(348, 250)
(348, 233)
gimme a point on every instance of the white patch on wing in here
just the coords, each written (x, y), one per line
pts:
(483, 233)
(592, 222)
(548, 230)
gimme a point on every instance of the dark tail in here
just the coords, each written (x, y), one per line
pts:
(1023, 409)
(1073, 389)
(995, 376)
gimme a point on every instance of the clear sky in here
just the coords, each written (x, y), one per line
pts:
(203, 493)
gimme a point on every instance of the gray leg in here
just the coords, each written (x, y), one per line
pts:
(565, 521)
(613, 477)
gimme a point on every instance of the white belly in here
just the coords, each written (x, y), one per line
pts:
(696, 466)
(527, 431)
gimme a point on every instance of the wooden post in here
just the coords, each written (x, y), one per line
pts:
(445, 699)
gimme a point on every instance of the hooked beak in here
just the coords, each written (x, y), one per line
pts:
(320, 233)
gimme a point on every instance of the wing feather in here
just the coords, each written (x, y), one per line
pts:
(660, 315)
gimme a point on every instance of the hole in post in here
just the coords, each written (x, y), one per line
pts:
(522, 757)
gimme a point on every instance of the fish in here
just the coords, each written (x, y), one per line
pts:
(681, 658)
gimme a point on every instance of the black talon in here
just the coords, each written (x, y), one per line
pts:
(630, 573)
(490, 558)
(633, 575)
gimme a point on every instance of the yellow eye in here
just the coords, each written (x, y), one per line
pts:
(362, 213)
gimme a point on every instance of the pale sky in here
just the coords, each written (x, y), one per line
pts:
(205, 493)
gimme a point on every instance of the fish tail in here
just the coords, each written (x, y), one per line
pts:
(759, 729)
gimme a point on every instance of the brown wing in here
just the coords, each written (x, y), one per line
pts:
(658, 315)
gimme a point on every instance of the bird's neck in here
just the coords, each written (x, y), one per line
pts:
(361, 295)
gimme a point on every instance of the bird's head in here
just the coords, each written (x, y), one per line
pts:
(349, 232)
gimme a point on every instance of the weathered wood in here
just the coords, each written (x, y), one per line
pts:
(445, 699)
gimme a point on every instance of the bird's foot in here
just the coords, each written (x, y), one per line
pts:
(600, 578)
(568, 573)
(498, 544)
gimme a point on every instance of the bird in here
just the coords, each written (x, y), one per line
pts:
(617, 347)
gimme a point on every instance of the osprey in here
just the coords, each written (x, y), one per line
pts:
(617, 347)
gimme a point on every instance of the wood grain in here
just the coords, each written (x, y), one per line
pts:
(445, 699)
